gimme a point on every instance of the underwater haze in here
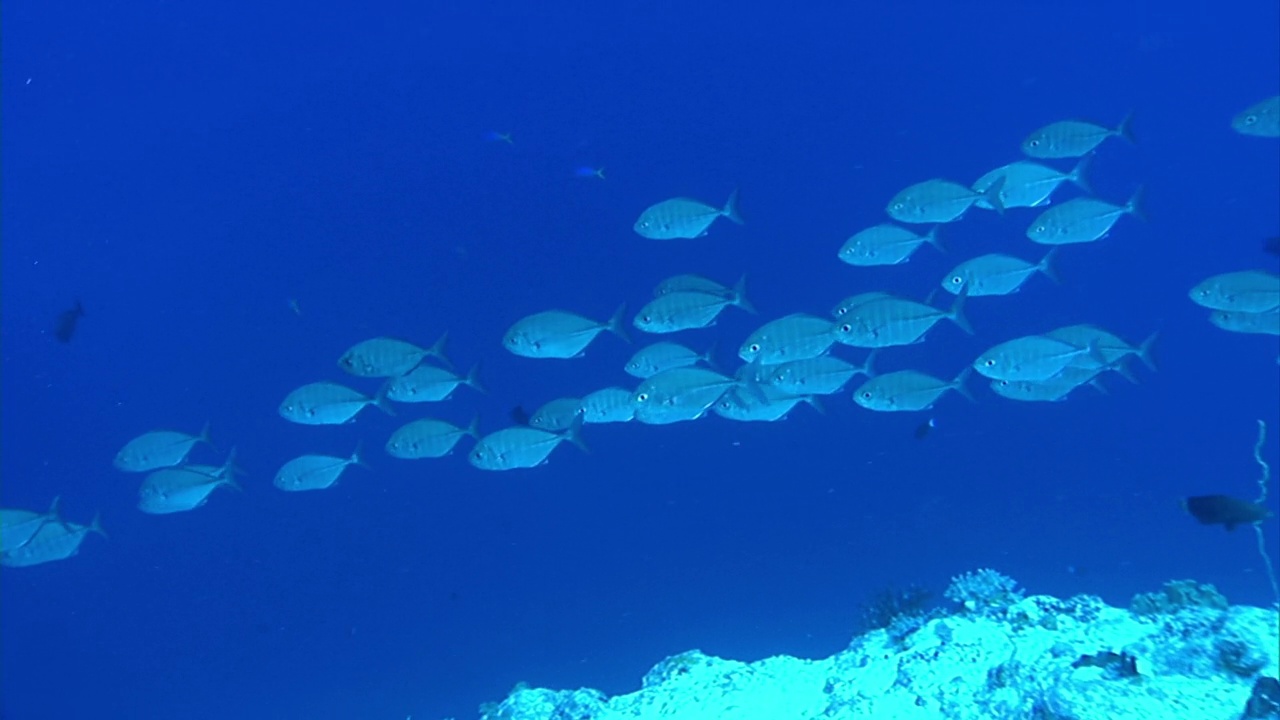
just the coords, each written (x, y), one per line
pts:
(237, 193)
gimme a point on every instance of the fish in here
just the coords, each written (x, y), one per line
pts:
(52, 541)
(1032, 357)
(384, 357)
(939, 201)
(823, 375)
(907, 391)
(314, 472)
(1073, 138)
(889, 321)
(1252, 291)
(847, 304)
(521, 447)
(1259, 120)
(885, 244)
(608, 405)
(774, 405)
(179, 489)
(1224, 510)
(328, 403)
(687, 310)
(1110, 348)
(158, 449)
(495, 136)
(519, 415)
(925, 428)
(684, 218)
(67, 321)
(1272, 245)
(429, 438)
(17, 527)
(679, 395)
(794, 337)
(556, 415)
(699, 284)
(653, 359)
(589, 173)
(1030, 184)
(996, 274)
(428, 383)
(1263, 323)
(1052, 389)
(559, 334)
(1082, 220)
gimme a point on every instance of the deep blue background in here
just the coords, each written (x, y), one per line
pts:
(186, 169)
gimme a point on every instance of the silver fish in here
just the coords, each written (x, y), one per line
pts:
(1053, 389)
(1260, 120)
(885, 244)
(1263, 323)
(1030, 184)
(559, 334)
(679, 394)
(681, 218)
(775, 405)
(996, 274)
(157, 449)
(17, 527)
(907, 391)
(794, 337)
(521, 447)
(181, 489)
(428, 438)
(52, 541)
(816, 376)
(1109, 348)
(1081, 220)
(389, 357)
(1033, 357)
(853, 301)
(327, 403)
(939, 201)
(890, 321)
(314, 472)
(428, 383)
(688, 310)
(653, 359)
(608, 405)
(1251, 291)
(697, 283)
(1072, 138)
(556, 415)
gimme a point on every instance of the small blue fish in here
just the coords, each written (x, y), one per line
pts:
(495, 136)
(589, 173)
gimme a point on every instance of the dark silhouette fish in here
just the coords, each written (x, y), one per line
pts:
(1225, 510)
(520, 415)
(67, 323)
(1273, 246)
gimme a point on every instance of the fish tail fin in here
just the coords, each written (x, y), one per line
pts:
(956, 313)
(868, 368)
(472, 380)
(1046, 265)
(1125, 129)
(95, 525)
(731, 208)
(709, 357)
(814, 402)
(932, 238)
(380, 400)
(437, 350)
(473, 428)
(1096, 384)
(1146, 351)
(1079, 175)
(738, 296)
(54, 513)
(599, 172)
(204, 436)
(573, 433)
(618, 323)
(958, 384)
(357, 455)
(227, 475)
(992, 195)
(1134, 207)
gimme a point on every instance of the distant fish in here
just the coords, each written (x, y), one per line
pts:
(67, 323)
(519, 415)
(1072, 138)
(559, 334)
(1272, 245)
(924, 428)
(158, 449)
(1225, 510)
(1261, 120)
(680, 218)
(495, 136)
(589, 173)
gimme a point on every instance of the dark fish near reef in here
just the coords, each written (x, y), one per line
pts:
(67, 323)
(1225, 510)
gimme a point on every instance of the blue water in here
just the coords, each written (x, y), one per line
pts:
(188, 170)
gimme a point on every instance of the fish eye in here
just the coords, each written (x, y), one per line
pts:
(1041, 229)
(755, 347)
(1035, 142)
(845, 328)
(956, 280)
(841, 311)
(1250, 119)
(641, 397)
(990, 362)
(866, 396)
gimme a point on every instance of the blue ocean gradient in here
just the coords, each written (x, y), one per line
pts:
(196, 172)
